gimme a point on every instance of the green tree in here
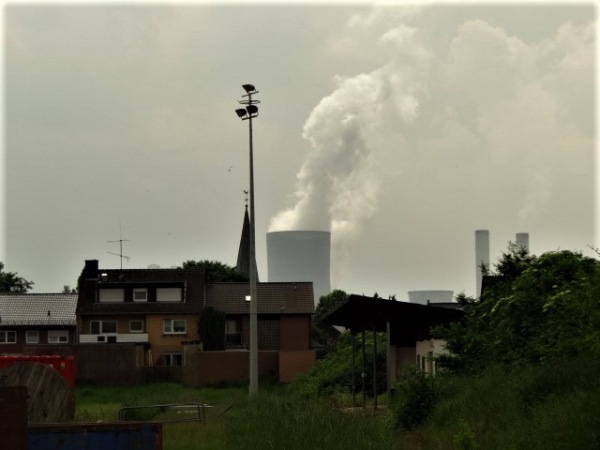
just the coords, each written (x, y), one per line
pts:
(215, 271)
(329, 302)
(211, 328)
(535, 309)
(11, 283)
(69, 290)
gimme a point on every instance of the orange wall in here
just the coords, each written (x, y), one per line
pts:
(295, 333)
(293, 363)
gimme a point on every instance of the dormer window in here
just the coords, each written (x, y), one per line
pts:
(140, 295)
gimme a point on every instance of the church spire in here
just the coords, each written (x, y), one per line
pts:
(243, 260)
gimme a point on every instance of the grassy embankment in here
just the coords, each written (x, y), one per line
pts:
(554, 407)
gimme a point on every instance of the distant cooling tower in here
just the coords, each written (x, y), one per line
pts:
(424, 297)
(300, 256)
(482, 255)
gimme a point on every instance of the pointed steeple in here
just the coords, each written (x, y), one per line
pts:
(243, 259)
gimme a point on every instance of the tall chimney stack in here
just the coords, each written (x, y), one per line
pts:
(522, 241)
(482, 256)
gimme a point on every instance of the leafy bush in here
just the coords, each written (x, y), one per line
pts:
(417, 394)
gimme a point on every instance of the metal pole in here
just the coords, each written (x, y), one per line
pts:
(253, 387)
(353, 369)
(363, 373)
(374, 367)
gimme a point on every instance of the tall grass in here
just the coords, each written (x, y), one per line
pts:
(556, 406)
(552, 406)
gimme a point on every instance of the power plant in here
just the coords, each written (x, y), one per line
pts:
(300, 256)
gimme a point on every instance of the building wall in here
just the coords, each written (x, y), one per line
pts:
(295, 333)
(161, 343)
(405, 356)
(21, 333)
(292, 363)
(426, 351)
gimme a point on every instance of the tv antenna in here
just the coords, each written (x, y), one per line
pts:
(120, 254)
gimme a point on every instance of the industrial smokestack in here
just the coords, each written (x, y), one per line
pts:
(522, 241)
(482, 256)
(300, 256)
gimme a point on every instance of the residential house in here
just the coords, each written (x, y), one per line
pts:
(156, 309)
(36, 319)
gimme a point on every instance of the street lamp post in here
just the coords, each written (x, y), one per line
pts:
(248, 113)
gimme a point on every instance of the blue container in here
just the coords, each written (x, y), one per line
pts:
(96, 436)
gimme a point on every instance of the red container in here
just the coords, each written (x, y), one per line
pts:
(65, 365)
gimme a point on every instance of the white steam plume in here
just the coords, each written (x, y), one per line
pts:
(336, 188)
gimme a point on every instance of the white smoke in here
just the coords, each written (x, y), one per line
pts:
(475, 100)
(337, 188)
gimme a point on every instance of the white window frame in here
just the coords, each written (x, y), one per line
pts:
(169, 326)
(140, 291)
(101, 326)
(168, 359)
(4, 337)
(132, 330)
(29, 334)
(58, 336)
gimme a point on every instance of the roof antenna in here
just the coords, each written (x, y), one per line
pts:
(120, 241)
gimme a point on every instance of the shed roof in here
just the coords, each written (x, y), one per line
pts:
(38, 309)
(407, 320)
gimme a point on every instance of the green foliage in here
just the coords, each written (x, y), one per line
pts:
(416, 395)
(211, 328)
(324, 333)
(215, 271)
(333, 373)
(329, 302)
(11, 283)
(553, 405)
(536, 309)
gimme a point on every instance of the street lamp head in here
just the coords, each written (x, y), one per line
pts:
(240, 112)
(252, 109)
(248, 88)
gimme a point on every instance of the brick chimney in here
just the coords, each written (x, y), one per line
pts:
(90, 270)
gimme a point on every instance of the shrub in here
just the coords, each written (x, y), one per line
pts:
(417, 394)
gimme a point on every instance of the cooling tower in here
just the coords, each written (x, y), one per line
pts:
(300, 256)
(482, 255)
(522, 241)
(424, 297)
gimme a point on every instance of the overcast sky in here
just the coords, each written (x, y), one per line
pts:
(401, 129)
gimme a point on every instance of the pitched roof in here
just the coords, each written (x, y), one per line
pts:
(273, 298)
(190, 280)
(38, 309)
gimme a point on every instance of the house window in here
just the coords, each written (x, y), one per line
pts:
(136, 326)
(268, 334)
(32, 337)
(172, 359)
(8, 337)
(111, 295)
(140, 295)
(103, 326)
(171, 326)
(232, 335)
(58, 336)
(168, 294)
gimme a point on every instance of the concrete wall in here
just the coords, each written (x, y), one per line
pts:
(426, 351)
